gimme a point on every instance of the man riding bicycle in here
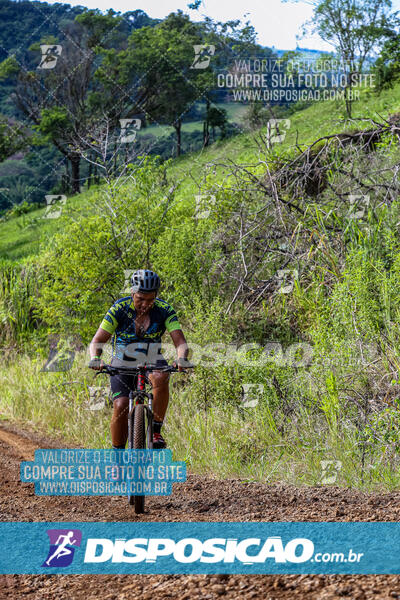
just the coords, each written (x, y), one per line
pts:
(137, 323)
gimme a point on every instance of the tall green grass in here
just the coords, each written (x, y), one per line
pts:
(18, 287)
(256, 444)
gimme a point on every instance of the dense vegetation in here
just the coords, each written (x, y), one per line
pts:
(38, 168)
(63, 109)
(283, 262)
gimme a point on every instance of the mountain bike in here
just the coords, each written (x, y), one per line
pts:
(140, 416)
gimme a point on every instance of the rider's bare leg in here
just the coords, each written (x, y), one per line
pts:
(119, 421)
(160, 383)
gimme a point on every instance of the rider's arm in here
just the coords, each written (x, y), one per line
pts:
(182, 349)
(173, 327)
(99, 339)
(112, 320)
(107, 328)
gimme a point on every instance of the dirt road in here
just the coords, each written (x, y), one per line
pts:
(198, 499)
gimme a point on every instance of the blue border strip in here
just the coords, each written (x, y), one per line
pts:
(199, 548)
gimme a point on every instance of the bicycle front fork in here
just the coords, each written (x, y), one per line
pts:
(149, 414)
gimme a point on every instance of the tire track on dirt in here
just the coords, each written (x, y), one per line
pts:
(24, 446)
(197, 499)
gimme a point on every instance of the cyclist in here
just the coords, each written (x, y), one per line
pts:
(137, 323)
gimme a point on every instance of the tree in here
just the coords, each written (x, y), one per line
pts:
(85, 265)
(215, 117)
(387, 66)
(63, 102)
(158, 71)
(155, 70)
(12, 138)
(355, 28)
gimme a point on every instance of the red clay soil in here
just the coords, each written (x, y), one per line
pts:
(198, 499)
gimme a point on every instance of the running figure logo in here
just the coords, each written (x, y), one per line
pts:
(61, 552)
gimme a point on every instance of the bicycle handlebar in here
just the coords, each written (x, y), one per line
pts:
(113, 370)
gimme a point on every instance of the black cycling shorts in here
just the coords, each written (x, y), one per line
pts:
(122, 384)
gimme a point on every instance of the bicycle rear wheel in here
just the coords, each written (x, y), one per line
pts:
(139, 442)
